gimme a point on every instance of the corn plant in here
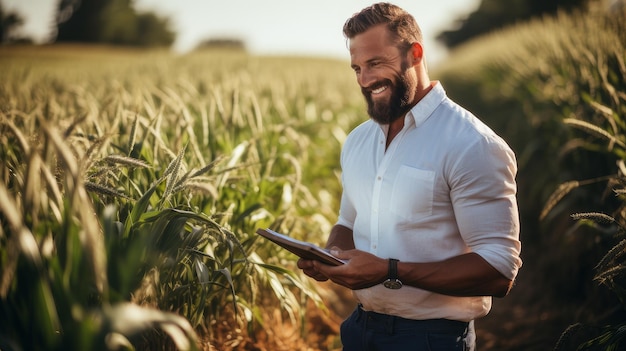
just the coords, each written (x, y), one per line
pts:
(526, 81)
(554, 89)
(142, 177)
(55, 293)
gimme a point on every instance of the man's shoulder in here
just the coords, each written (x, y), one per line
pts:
(467, 124)
(360, 138)
(365, 125)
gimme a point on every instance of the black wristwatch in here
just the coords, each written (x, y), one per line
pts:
(392, 281)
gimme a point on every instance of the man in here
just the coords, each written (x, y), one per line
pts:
(428, 221)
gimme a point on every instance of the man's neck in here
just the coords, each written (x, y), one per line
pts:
(394, 128)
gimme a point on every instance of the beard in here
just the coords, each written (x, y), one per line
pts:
(399, 103)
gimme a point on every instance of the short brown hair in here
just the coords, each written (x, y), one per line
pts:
(401, 24)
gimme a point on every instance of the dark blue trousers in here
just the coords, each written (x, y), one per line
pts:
(371, 331)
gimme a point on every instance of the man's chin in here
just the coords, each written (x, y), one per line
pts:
(380, 119)
(384, 117)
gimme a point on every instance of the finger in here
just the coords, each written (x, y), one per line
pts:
(313, 273)
(305, 264)
(344, 255)
(323, 269)
(320, 278)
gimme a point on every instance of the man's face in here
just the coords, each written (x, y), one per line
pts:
(385, 111)
(383, 71)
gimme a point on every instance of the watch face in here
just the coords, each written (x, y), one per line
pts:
(392, 284)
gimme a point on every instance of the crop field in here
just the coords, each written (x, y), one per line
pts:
(132, 183)
(141, 177)
(555, 89)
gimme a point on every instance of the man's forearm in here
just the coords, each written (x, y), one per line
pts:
(340, 237)
(464, 275)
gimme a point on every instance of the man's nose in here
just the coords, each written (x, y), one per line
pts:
(365, 78)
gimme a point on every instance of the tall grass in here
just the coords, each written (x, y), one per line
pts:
(555, 90)
(133, 183)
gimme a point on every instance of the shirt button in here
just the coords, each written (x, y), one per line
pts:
(379, 178)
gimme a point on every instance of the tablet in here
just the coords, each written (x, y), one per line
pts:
(302, 249)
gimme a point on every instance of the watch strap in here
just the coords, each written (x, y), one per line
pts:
(393, 269)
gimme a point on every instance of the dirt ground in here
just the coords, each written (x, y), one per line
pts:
(522, 320)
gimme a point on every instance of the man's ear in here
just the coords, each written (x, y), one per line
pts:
(417, 52)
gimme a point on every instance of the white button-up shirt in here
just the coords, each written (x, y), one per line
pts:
(445, 186)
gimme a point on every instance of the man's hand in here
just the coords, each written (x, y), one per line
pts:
(362, 270)
(308, 267)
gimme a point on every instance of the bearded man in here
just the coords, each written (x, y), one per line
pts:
(428, 221)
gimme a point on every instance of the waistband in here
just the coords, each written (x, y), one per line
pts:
(375, 320)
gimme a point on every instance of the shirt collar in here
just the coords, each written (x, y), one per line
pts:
(427, 105)
(423, 109)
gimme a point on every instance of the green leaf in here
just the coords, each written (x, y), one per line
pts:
(130, 320)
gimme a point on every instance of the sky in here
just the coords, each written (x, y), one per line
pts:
(274, 27)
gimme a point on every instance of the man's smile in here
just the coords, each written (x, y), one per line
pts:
(379, 90)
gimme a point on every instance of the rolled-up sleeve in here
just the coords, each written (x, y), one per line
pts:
(483, 193)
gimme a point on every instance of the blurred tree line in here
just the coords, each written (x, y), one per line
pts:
(117, 22)
(114, 22)
(222, 43)
(496, 14)
(111, 22)
(9, 22)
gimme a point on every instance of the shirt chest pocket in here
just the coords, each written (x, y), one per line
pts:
(412, 195)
